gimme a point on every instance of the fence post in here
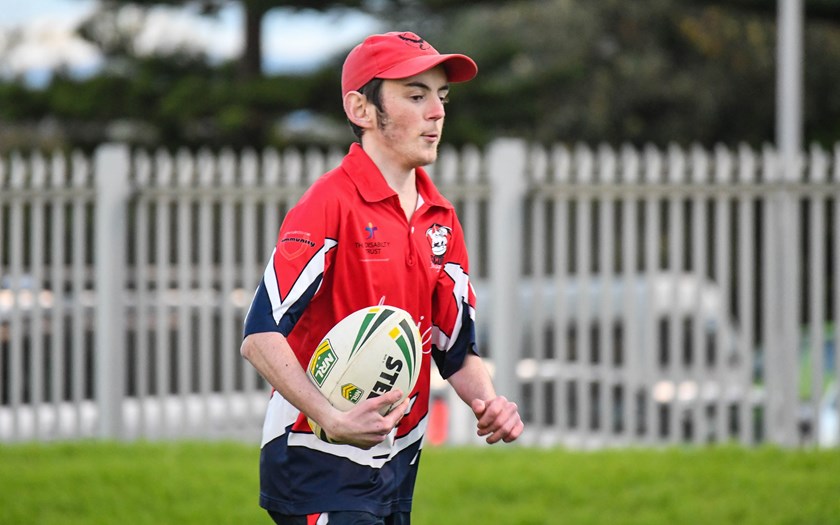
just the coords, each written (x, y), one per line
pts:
(111, 167)
(781, 317)
(506, 163)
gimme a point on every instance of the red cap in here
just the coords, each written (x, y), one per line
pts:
(399, 55)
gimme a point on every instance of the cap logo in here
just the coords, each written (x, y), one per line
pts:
(417, 41)
(395, 55)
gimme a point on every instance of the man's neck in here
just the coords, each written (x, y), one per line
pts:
(399, 177)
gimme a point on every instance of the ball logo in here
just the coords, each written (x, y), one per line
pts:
(352, 393)
(322, 362)
(387, 377)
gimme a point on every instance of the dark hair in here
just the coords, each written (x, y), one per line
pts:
(373, 92)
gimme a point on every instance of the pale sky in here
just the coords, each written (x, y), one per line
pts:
(291, 41)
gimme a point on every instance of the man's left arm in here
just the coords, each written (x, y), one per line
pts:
(498, 418)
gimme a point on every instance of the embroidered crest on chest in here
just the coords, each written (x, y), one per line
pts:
(438, 237)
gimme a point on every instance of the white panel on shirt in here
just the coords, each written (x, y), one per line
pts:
(304, 280)
(281, 414)
(460, 292)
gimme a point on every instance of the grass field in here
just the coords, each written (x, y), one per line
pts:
(216, 483)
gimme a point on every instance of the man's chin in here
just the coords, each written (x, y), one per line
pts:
(430, 157)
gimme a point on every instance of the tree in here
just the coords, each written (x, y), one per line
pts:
(227, 105)
(825, 10)
(655, 71)
(254, 12)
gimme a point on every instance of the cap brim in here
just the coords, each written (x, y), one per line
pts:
(459, 68)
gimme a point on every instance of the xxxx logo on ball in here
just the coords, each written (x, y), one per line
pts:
(322, 362)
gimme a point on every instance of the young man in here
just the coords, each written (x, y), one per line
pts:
(373, 230)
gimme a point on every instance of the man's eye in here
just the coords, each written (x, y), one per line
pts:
(444, 100)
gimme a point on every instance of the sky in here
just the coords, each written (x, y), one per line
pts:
(292, 41)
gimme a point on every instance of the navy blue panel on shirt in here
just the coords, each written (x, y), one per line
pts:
(450, 362)
(299, 480)
(261, 317)
(290, 318)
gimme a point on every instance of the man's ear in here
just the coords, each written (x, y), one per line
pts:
(357, 109)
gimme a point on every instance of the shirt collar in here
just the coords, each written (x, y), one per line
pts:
(372, 186)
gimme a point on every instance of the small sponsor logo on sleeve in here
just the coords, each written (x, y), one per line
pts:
(294, 243)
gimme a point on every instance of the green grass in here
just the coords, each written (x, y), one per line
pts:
(203, 483)
(161, 483)
(675, 486)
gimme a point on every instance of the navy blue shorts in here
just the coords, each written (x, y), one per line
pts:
(342, 518)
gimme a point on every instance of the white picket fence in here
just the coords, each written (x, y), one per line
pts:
(626, 297)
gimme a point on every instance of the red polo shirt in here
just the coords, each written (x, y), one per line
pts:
(347, 245)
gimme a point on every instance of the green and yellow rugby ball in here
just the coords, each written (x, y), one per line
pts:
(368, 353)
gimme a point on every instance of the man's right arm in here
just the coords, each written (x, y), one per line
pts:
(364, 427)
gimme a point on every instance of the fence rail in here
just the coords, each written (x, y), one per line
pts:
(626, 296)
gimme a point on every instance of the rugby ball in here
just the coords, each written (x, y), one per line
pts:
(368, 353)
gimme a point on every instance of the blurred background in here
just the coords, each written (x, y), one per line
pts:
(648, 191)
(76, 73)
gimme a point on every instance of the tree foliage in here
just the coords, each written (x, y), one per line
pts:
(254, 11)
(653, 71)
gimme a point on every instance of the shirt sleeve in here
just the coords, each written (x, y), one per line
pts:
(453, 314)
(294, 271)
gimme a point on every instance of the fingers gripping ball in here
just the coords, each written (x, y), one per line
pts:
(368, 353)
(318, 431)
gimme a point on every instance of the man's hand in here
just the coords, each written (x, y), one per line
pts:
(498, 419)
(363, 426)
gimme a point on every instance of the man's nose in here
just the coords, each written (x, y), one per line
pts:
(437, 111)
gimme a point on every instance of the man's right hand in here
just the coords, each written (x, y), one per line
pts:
(364, 426)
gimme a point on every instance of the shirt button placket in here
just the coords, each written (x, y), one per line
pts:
(410, 259)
